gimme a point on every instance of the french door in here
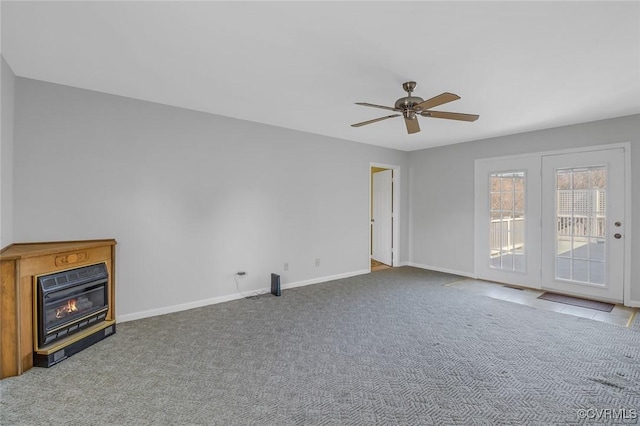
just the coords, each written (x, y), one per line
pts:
(553, 221)
(583, 224)
(507, 192)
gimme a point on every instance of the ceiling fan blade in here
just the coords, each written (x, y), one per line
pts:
(450, 115)
(412, 125)
(375, 120)
(378, 106)
(436, 100)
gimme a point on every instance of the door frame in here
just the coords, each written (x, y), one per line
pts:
(395, 222)
(626, 146)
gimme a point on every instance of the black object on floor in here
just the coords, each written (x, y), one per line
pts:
(576, 301)
(275, 285)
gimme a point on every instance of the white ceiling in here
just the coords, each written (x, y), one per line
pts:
(301, 65)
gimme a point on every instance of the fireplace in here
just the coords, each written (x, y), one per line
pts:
(56, 298)
(69, 304)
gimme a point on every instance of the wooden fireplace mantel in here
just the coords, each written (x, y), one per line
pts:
(19, 264)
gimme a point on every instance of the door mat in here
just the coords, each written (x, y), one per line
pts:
(576, 301)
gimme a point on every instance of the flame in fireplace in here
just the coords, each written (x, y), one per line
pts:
(66, 309)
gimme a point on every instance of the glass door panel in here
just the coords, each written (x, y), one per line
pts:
(506, 221)
(581, 224)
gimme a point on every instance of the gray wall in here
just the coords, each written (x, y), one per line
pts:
(7, 91)
(442, 188)
(190, 197)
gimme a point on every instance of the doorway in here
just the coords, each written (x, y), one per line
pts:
(555, 221)
(383, 214)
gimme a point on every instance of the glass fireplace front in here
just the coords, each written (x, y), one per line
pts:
(71, 301)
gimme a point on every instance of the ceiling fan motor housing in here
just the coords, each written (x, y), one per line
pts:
(407, 105)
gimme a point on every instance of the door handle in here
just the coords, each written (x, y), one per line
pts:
(617, 236)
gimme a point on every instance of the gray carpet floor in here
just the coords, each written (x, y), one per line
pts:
(393, 347)
(636, 324)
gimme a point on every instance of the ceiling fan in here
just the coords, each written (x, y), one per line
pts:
(412, 106)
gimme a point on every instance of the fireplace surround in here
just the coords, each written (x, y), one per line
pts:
(56, 299)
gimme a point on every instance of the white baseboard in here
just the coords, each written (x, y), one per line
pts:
(324, 279)
(235, 296)
(181, 307)
(445, 270)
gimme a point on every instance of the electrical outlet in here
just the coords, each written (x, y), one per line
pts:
(286, 266)
(317, 262)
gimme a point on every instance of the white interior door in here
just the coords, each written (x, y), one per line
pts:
(382, 219)
(583, 224)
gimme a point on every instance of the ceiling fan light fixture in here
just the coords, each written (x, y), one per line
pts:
(409, 114)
